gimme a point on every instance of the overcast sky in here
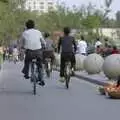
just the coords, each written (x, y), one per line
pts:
(115, 5)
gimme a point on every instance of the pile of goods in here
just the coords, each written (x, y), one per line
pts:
(112, 90)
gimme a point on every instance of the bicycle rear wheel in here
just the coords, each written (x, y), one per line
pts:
(34, 86)
(48, 69)
(67, 82)
(33, 78)
(67, 75)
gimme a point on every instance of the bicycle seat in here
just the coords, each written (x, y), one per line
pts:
(48, 59)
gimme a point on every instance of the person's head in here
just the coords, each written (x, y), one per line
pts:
(46, 35)
(82, 37)
(15, 46)
(106, 39)
(30, 24)
(114, 48)
(98, 46)
(98, 39)
(66, 30)
(109, 46)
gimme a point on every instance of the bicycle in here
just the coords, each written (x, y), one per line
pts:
(48, 66)
(36, 74)
(67, 73)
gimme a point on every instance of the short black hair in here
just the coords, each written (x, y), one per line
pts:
(98, 46)
(98, 39)
(30, 24)
(66, 30)
(46, 34)
(115, 47)
(82, 37)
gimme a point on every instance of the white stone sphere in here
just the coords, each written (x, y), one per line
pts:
(93, 63)
(79, 62)
(57, 59)
(111, 66)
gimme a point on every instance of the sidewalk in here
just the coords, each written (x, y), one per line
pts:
(99, 79)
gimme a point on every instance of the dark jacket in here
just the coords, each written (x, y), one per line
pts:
(66, 44)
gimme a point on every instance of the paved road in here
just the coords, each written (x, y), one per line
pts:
(53, 102)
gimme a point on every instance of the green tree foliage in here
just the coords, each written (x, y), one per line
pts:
(13, 16)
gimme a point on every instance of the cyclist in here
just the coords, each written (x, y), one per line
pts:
(66, 43)
(15, 53)
(32, 40)
(49, 50)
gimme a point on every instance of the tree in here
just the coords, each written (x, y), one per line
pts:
(118, 18)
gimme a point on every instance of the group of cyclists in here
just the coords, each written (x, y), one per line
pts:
(37, 46)
(40, 47)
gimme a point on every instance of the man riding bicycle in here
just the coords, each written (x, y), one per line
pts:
(32, 41)
(66, 43)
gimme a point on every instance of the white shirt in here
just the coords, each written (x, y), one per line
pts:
(82, 47)
(33, 39)
(15, 51)
(98, 43)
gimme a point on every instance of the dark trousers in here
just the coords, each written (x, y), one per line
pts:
(48, 54)
(29, 55)
(64, 58)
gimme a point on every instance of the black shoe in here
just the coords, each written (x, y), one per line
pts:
(41, 83)
(26, 77)
(23, 71)
(73, 73)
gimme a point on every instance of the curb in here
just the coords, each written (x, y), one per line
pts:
(91, 80)
(88, 79)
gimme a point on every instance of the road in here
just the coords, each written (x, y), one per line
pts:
(52, 102)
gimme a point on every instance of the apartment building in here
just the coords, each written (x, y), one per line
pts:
(40, 5)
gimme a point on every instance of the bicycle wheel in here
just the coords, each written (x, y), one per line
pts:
(34, 86)
(67, 81)
(48, 69)
(33, 78)
(67, 75)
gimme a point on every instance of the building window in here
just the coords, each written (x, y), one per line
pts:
(50, 7)
(41, 3)
(41, 7)
(50, 3)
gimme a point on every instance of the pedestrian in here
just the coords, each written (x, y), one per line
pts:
(82, 46)
(98, 43)
(115, 50)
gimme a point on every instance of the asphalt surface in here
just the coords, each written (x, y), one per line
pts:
(52, 102)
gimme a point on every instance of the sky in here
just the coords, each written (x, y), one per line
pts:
(115, 5)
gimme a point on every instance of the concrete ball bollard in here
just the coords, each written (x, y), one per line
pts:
(111, 66)
(93, 63)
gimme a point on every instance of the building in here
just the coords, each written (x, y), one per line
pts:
(112, 33)
(40, 5)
